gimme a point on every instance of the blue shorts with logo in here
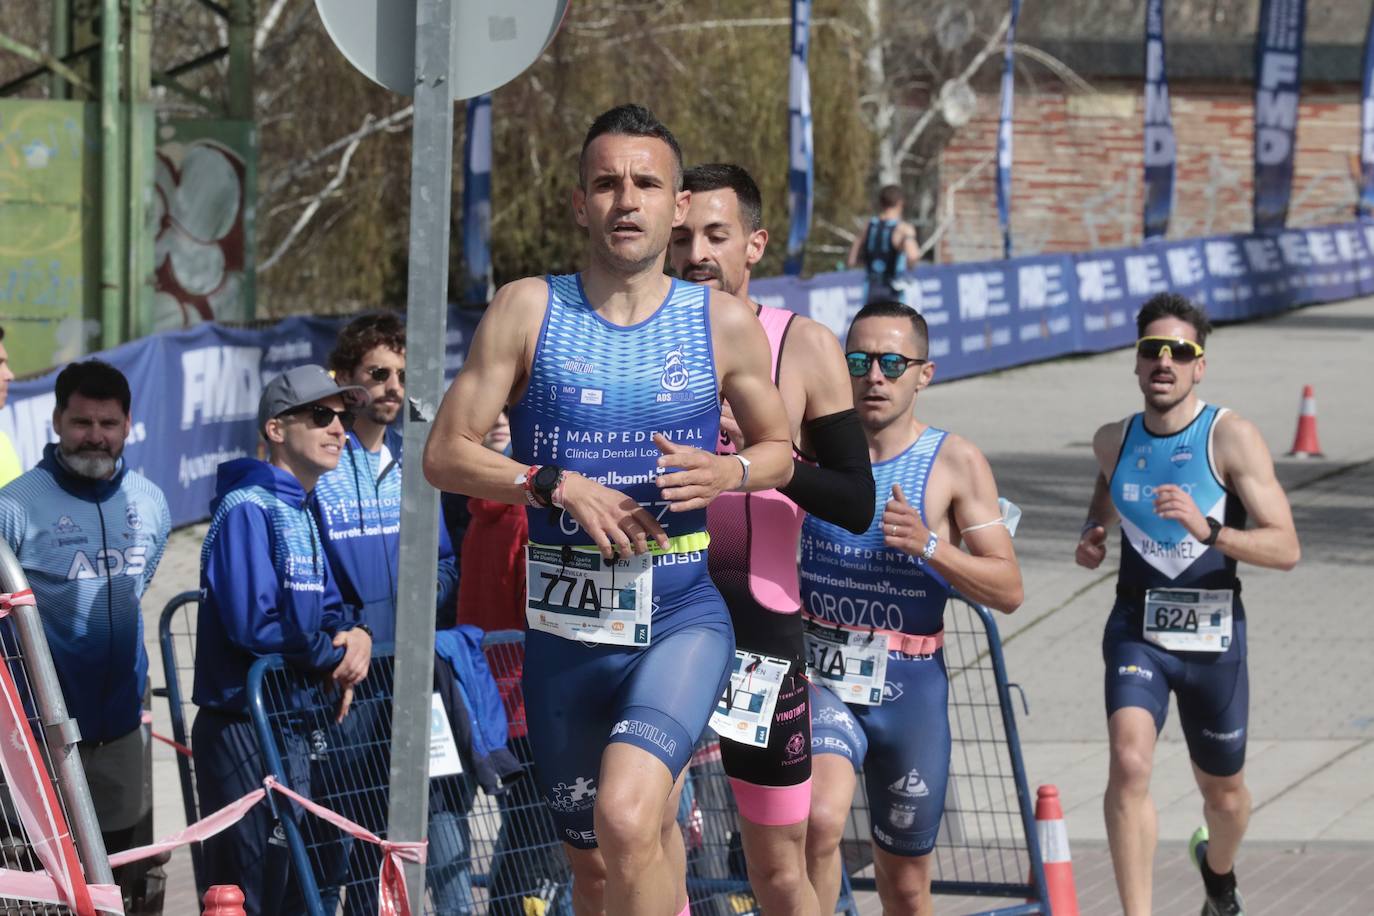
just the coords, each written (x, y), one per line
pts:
(901, 747)
(581, 697)
(1212, 689)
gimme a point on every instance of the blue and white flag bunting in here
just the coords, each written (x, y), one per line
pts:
(1278, 82)
(1160, 152)
(1365, 209)
(477, 201)
(1004, 128)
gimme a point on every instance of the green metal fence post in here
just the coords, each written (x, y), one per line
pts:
(142, 176)
(111, 179)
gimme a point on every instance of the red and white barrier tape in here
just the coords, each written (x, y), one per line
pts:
(392, 893)
(11, 600)
(62, 883)
(177, 746)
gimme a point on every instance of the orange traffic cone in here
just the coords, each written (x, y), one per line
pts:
(1054, 852)
(1305, 440)
(223, 900)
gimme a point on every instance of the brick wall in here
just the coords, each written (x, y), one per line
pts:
(1077, 180)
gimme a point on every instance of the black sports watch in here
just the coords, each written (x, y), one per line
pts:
(1211, 538)
(545, 482)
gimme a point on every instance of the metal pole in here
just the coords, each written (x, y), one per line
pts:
(59, 45)
(60, 733)
(431, 192)
(111, 180)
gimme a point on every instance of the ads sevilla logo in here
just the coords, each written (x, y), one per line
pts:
(675, 375)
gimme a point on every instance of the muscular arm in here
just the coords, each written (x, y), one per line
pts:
(911, 246)
(852, 259)
(744, 361)
(1092, 540)
(988, 573)
(1244, 462)
(838, 488)
(455, 459)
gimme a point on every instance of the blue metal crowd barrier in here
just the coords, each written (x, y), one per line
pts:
(498, 854)
(176, 634)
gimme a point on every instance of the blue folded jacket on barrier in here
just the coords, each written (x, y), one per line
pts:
(476, 712)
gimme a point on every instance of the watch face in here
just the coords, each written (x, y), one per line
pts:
(546, 478)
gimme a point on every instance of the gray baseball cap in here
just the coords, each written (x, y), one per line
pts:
(300, 386)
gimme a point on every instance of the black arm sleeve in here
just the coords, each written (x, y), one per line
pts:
(839, 487)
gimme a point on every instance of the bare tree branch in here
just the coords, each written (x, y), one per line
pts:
(948, 218)
(370, 126)
(313, 207)
(267, 23)
(994, 43)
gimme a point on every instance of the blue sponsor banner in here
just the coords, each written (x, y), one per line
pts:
(1365, 207)
(477, 201)
(1004, 132)
(997, 314)
(801, 173)
(1160, 151)
(195, 398)
(1278, 82)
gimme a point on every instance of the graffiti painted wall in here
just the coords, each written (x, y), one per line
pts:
(203, 219)
(49, 233)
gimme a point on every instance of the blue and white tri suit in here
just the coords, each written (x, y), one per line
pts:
(1212, 688)
(902, 746)
(597, 393)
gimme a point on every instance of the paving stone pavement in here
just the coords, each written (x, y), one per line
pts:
(1311, 751)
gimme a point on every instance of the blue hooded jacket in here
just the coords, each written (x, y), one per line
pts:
(89, 549)
(265, 585)
(358, 508)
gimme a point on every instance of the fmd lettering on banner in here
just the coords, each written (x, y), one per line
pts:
(1278, 82)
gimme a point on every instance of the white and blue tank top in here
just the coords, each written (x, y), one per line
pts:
(1158, 552)
(858, 581)
(598, 392)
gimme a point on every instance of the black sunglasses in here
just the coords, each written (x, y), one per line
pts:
(380, 374)
(892, 365)
(323, 416)
(1180, 349)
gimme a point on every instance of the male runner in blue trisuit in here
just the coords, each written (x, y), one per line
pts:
(875, 606)
(614, 379)
(1182, 476)
(754, 539)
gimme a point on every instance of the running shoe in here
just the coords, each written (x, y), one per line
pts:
(1230, 904)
